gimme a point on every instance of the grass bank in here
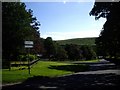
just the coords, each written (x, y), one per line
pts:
(41, 68)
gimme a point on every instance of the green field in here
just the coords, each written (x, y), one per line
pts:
(78, 41)
(91, 61)
(41, 68)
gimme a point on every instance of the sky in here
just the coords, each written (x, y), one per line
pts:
(66, 20)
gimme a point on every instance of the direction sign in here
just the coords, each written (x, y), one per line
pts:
(28, 46)
(29, 42)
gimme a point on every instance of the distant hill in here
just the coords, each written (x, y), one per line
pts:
(78, 41)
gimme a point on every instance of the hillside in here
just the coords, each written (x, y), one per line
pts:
(78, 41)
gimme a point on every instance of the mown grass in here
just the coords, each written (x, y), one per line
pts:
(92, 61)
(81, 61)
(39, 69)
(0, 76)
(42, 68)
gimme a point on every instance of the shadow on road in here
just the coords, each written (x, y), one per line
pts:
(71, 82)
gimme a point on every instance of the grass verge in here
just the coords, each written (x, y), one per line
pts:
(41, 68)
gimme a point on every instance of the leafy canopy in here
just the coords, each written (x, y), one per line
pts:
(108, 42)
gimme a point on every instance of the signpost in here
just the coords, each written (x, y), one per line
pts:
(28, 45)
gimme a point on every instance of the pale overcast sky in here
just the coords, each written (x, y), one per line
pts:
(66, 20)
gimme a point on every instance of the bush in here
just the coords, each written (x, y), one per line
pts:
(32, 57)
(26, 57)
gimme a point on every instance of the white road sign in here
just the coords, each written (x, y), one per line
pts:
(28, 46)
(29, 42)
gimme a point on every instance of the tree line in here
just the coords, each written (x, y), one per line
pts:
(54, 51)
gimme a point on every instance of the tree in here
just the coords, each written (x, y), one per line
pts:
(61, 54)
(18, 25)
(88, 53)
(49, 47)
(73, 51)
(38, 44)
(108, 42)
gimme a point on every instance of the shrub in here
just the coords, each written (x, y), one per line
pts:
(26, 57)
(31, 57)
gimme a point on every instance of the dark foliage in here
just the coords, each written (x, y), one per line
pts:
(18, 25)
(108, 42)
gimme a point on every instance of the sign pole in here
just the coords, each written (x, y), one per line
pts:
(28, 45)
(28, 61)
